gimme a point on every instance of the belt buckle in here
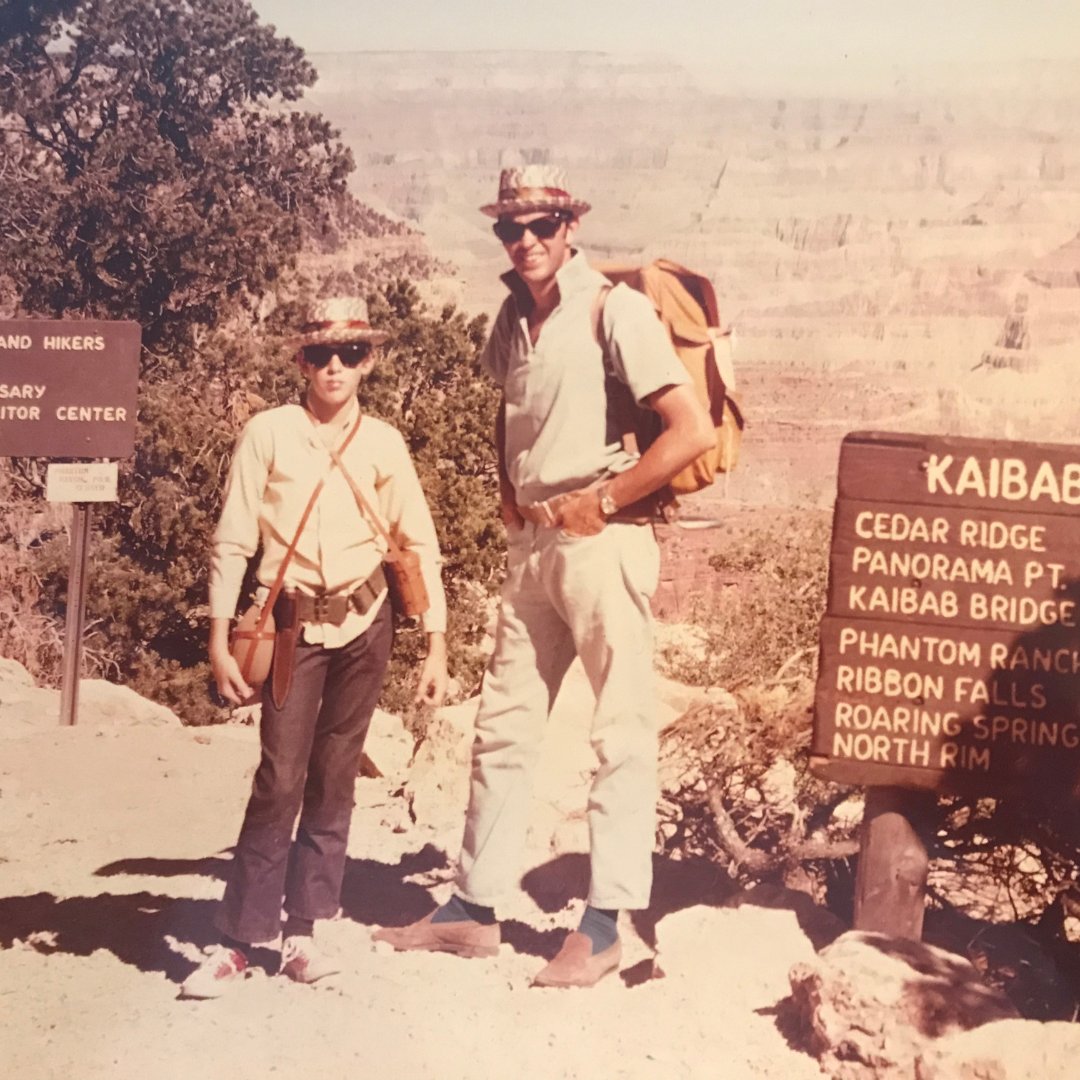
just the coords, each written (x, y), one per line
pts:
(320, 608)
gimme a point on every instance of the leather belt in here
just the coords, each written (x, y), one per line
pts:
(294, 606)
(656, 507)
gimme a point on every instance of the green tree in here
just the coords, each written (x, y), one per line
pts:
(151, 170)
(429, 386)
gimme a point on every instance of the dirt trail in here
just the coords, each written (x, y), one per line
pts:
(113, 842)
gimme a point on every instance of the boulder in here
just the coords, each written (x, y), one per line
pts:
(1004, 1050)
(102, 703)
(388, 745)
(870, 1004)
(13, 673)
(437, 785)
(25, 707)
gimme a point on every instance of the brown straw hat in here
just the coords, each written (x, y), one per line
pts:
(526, 189)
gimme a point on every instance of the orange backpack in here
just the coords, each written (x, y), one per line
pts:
(686, 304)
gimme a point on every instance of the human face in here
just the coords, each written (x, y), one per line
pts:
(536, 260)
(332, 385)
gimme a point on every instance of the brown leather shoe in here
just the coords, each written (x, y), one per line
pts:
(575, 964)
(465, 938)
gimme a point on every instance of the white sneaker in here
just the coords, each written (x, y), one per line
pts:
(304, 962)
(222, 969)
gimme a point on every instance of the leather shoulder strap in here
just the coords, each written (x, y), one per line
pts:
(597, 318)
(279, 581)
(365, 506)
(628, 435)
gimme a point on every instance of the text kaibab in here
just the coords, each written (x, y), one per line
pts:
(950, 649)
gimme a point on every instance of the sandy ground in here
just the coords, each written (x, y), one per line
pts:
(113, 844)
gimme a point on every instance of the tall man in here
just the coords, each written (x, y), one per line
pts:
(581, 569)
(327, 551)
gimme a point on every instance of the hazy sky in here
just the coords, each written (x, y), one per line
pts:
(755, 40)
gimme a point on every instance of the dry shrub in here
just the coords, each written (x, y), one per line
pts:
(764, 629)
(737, 786)
(27, 634)
(737, 789)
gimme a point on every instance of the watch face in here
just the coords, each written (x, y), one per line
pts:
(607, 504)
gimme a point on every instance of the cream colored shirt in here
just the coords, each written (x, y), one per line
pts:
(562, 429)
(280, 456)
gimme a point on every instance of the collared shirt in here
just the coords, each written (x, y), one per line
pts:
(562, 431)
(280, 457)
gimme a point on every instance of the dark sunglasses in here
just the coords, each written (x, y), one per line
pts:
(318, 356)
(510, 232)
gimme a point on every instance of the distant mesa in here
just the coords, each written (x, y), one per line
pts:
(1059, 269)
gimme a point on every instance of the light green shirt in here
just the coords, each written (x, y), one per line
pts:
(562, 426)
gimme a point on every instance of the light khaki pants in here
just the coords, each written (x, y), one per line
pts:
(563, 596)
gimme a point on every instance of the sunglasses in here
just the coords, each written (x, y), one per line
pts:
(510, 232)
(318, 356)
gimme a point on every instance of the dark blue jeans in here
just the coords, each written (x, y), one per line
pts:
(311, 752)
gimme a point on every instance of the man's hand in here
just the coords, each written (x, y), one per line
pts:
(433, 680)
(580, 513)
(511, 516)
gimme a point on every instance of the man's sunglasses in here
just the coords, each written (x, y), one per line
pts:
(510, 232)
(318, 356)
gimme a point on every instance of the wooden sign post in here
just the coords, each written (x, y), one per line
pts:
(68, 390)
(950, 647)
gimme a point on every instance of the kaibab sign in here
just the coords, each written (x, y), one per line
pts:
(68, 388)
(950, 647)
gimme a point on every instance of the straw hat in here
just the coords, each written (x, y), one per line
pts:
(526, 189)
(339, 320)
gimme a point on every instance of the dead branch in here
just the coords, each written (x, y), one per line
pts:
(757, 862)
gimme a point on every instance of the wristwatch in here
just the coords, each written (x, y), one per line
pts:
(608, 506)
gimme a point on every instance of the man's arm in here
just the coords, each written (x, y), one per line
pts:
(507, 495)
(688, 432)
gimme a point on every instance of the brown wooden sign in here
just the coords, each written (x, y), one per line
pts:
(950, 648)
(68, 388)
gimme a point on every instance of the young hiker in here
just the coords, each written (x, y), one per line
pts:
(582, 564)
(318, 704)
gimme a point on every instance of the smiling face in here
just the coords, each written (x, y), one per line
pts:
(537, 260)
(333, 384)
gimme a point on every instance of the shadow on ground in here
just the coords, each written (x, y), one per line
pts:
(141, 928)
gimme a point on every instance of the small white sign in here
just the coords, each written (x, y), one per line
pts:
(75, 483)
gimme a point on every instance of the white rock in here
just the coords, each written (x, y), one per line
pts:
(1005, 1050)
(750, 950)
(388, 744)
(103, 703)
(871, 1004)
(11, 671)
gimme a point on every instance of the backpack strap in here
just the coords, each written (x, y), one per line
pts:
(664, 504)
(629, 436)
(597, 318)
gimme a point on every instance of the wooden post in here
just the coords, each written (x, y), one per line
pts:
(890, 884)
(76, 607)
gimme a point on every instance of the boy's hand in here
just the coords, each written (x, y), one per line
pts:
(433, 680)
(230, 683)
